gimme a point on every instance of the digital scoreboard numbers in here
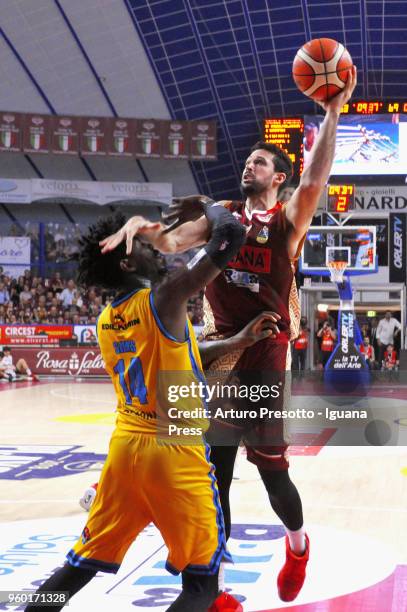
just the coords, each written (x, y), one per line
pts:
(287, 133)
(340, 198)
(374, 107)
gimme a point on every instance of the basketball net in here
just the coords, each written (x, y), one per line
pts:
(337, 269)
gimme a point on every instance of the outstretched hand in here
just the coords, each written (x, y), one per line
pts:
(135, 225)
(336, 103)
(185, 209)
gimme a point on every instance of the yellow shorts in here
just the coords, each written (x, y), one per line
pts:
(172, 486)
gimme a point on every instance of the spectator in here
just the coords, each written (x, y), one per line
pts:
(27, 318)
(4, 294)
(56, 283)
(68, 295)
(367, 351)
(83, 314)
(300, 346)
(26, 295)
(365, 330)
(14, 297)
(42, 301)
(9, 370)
(387, 329)
(49, 298)
(21, 282)
(328, 337)
(53, 314)
(390, 361)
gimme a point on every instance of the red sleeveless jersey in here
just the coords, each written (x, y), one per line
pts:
(301, 343)
(260, 277)
(390, 358)
(327, 343)
(367, 351)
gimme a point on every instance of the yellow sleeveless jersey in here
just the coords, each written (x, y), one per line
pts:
(153, 373)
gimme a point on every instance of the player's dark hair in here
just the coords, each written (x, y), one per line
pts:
(94, 268)
(282, 163)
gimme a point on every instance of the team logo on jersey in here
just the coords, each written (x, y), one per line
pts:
(120, 324)
(247, 280)
(263, 235)
(252, 259)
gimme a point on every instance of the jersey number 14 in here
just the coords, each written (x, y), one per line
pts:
(137, 387)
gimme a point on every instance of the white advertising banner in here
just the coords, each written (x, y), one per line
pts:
(24, 191)
(380, 199)
(373, 199)
(15, 254)
(78, 190)
(154, 192)
(15, 191)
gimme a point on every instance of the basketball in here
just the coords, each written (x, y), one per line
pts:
(320, 68)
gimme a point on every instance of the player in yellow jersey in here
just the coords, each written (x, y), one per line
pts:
(144, 335)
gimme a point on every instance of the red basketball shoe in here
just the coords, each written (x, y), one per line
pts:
(292, 574)
(225, 603)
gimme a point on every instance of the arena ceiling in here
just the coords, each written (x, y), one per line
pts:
(182, 59)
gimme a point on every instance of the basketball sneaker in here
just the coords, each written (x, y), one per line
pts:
(225, 603)
(292, 574)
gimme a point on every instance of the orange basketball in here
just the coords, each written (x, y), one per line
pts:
(320, 68)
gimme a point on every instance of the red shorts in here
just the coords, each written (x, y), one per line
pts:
(246, 417)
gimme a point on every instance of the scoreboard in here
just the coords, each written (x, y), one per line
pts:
(287, 133)
(375, 107)
(340, 198)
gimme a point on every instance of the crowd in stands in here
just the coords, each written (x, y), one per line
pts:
(61, 241)
(30, 299)
(380, 342)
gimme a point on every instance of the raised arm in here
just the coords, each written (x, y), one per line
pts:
(304, 201)
(189, 228)
(171, 297)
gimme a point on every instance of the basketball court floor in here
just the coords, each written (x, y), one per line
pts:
(54, 438)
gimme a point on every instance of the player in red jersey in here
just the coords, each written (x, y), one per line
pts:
(260, 277)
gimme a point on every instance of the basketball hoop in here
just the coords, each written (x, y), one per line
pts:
(337, 270)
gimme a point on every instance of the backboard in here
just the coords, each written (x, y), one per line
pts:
(354, 244)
